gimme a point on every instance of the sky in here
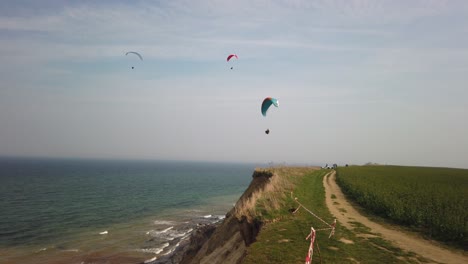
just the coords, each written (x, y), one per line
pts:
(357, 81)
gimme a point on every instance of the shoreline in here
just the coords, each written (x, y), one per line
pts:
(227, 240)
(159, 237)
(192, 243)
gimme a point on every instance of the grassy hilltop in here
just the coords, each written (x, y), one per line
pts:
(282, 238)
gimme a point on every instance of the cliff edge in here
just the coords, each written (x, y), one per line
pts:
(227, 242)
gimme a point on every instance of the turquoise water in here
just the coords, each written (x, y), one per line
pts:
(49, 207)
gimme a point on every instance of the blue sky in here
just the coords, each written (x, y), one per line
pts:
(358, 81)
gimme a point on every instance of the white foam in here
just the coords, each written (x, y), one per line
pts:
(175, 235)
(103, 232)
(42, 249)
(178, 243)
(207, 216)
(71, 250)
(163, 222)
(169, 234)
(158, 233)
(221, 217)
(150, 260)
(167, 229)
(151, 250)
(194, 210)
(172, 250)
(184, 237)
(154, 250)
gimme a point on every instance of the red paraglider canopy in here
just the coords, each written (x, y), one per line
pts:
(230, 56)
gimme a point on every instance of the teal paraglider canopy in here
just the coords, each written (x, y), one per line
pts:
(267, 102)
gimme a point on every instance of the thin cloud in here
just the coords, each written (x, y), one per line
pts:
(169, 30)
(397, 60)
(64, 75)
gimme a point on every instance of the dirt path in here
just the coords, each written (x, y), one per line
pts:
(346, 214)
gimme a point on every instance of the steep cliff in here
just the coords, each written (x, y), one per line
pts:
(228, 242)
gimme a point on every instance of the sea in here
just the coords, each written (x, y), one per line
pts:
(109, 211)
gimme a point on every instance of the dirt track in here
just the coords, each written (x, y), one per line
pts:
(345, 214)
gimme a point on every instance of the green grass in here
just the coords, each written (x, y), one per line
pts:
(282, 239)
(433, 201)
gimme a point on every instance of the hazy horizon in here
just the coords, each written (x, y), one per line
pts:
(357, 81)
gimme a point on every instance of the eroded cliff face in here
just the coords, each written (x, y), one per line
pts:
(228, 242)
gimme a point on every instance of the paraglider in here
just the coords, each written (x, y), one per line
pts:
(136, 53)
(230, 57)
(267, 102)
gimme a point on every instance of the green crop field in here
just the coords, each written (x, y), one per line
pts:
(431, 200)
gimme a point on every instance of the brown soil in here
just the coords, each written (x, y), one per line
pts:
(346, 214)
